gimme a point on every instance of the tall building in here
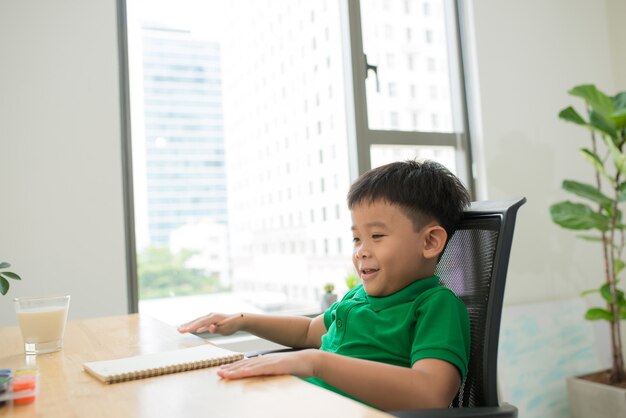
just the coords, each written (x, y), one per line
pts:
(285, 119)
(280, 151)
(287, 148)
(184, 136)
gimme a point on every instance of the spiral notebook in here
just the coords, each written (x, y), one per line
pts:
(148, 365)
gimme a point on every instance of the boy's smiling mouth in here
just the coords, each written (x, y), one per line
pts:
(368, 273)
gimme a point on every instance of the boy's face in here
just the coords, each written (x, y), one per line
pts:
(388, 254)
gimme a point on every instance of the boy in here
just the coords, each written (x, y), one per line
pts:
(399, 340)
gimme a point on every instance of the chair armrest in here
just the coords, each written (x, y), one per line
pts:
(503, 411)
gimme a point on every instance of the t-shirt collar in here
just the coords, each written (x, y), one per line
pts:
(407, 294)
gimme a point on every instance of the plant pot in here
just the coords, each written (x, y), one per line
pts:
(327, 300)
(590, 399)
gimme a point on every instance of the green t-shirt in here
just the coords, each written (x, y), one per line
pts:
(423, 320)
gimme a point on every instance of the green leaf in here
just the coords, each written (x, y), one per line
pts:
(619, 159)
(590, 238)
(602, 124)
(605, 291)
(618, 119)
(621, 193)
(589, 291)
(618, 215)
(587, 191)
(619, 101)
(596, 161)
(578, 216)
(594, 314)
(4, 285)
(619, 266)
(10, 275)
(597, 100)
(4, 265)
(569, 114)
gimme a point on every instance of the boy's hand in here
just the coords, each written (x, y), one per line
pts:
(300, 363)
(214, 323)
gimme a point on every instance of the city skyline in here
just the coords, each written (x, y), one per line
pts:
(183, 125)
(285, 138)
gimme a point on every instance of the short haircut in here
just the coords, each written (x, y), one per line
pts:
(425, 190)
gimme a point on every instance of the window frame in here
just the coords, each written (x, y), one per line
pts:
(132, 284)
(360, 137)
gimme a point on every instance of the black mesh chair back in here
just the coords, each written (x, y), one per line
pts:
(474, 266)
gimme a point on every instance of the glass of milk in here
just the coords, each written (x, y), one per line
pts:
(42, 322)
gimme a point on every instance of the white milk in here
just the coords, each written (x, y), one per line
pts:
(40, 325)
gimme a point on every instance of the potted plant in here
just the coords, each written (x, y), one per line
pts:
(601, 212)
(329, 297)
(4, 276)
(352, 280)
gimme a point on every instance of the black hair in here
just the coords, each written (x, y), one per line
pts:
(424, 190)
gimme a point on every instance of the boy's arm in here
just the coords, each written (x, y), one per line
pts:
(430, 383)
(292, 331)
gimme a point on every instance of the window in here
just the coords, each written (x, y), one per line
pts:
(393, 90)
(246, 137)
(429, 36)
(430, 63)
(386, 128)
(426, 8)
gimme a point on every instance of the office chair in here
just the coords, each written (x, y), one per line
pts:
(474, 266)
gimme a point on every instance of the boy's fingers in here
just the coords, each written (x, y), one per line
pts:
(186, 324)
(184, 328)
(204, 327)
(189, 326)
(196, 325)
(211, 323)
(250, 367)
(226, 320)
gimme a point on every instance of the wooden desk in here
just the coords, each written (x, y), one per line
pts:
(67, 391)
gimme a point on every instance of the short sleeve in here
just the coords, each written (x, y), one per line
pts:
(442, 330)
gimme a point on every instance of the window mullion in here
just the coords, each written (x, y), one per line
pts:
(355, 85)
(410, 138)
(361, 137)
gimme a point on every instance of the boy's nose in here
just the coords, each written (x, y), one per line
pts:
(361, 252)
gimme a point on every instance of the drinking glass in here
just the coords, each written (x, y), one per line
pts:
(42, 322)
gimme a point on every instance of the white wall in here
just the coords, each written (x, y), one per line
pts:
(528, 54)
(617, 31)
(61, 210)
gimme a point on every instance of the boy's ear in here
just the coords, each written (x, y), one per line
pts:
(434, 241)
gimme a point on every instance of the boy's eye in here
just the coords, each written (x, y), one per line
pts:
(355, 239)
(377, 236)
